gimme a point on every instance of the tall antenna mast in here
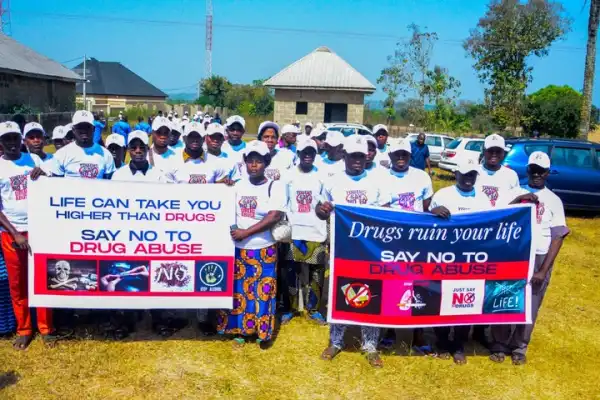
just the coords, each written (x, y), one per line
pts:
(5, 17)
(209, 34)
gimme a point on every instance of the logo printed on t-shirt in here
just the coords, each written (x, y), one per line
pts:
(540, 209)
(356, 197)
(197, 178)
(18, 184)
(406, 201)
(248, 206)
(304, 199)
(492, 193)
(273, 174)
(88, 170)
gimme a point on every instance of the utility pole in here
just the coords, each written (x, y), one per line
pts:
(5, 17)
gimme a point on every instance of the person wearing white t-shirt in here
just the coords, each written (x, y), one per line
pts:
(195, 167)
(15, 169)
(305, 272)
(281, 159)
(235, 127)
(260, 204)
(83, 158)
(58, 137)
(371, 165)
(550, 231)
(214, 139)
(138, 169)
(332, 162)
(457, 199)
(160, 155)
(175, 137)
(495, 180)
(380, 132)
(34, 141)
(115, 143)
(352, 186)
(319, 135)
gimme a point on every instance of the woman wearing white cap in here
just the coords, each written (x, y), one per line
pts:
(83, 158)
(551, 230)
(307, 253)
(352, 186)
(332, 161)
(456, 199)
(15, 168)
(495, 180)
(260, 204)
(289, 134)
(281, 159)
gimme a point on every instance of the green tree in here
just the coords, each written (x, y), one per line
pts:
(590, 67)
(505, 38)
(213, 91)
(553, 110)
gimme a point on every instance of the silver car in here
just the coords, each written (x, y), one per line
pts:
(436, 143)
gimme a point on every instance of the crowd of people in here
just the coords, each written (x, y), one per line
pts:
(287, 174)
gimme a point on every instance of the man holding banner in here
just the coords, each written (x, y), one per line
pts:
(353, 186)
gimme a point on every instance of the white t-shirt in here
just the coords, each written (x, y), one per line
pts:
(497, 185)
(124, 174)
(304, 190)
(235, 153)
(166, 163)
(282, 161)
(458, 202)
(252, 204)
(407, 190)
(73, 161)
(328, 168)
(201, 171)
(382, 155)
(178, 147)
(13, 188)
(234, 170)
(549, 213)
(362, 189)
(47, 163)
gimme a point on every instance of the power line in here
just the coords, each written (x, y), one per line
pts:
(75, 59)
(254, 28)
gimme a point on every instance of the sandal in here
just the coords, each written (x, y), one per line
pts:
(287, 318)
(518, 359)
(497, 357)
(459, 358)
(50, 340)
(318, 318)
(22, 342)
(329, 353)
(239, 341)
(425, 350)
(374, 359)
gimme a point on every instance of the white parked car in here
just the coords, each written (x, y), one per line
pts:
(460, 149)
(436, 143)
(348, 129)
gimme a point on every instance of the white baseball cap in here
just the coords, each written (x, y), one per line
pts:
(68, 128)
(370, 139)
(540, 159)
(468, 165)
(290, 129)
(58, 132)
(207, 118)
(494, 140)
(177, 126)
(235, 119)
(143, 136)
(356, 144)
(159, 122)
(83, 117)
(317, 132)
(379, 127)
(9, 127)
(305, 144)
(115, 138)
(268, 124)
(308, 123)
(400, 145)
(194, 127)
(33, 126)
(256, 146)
(334, 138)
(214, 128)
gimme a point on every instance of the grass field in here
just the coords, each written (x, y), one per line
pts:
(563, 357)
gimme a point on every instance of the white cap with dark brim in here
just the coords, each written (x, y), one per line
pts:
(141, 135)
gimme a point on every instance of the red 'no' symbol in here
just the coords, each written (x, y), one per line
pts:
(469, 297)
(360, 291)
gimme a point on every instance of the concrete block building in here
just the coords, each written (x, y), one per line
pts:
(319, 87)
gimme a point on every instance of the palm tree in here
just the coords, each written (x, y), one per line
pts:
(590, 65)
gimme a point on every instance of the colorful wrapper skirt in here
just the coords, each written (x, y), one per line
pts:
(7, 315)
(254, 295)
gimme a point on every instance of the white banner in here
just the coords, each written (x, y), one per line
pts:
(128, 245)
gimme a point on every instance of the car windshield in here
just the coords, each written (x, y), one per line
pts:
(453, 144)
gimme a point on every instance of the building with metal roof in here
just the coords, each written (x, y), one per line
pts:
(113, 87)
(31, 80)
(319, 87)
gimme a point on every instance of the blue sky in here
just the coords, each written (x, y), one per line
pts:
(171, 55)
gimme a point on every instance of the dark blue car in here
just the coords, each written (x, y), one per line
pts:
(575, 171)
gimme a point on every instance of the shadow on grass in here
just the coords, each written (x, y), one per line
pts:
(8, 379)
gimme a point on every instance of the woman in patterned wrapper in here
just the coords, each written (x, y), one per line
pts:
(260, 204)
(7, 315)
